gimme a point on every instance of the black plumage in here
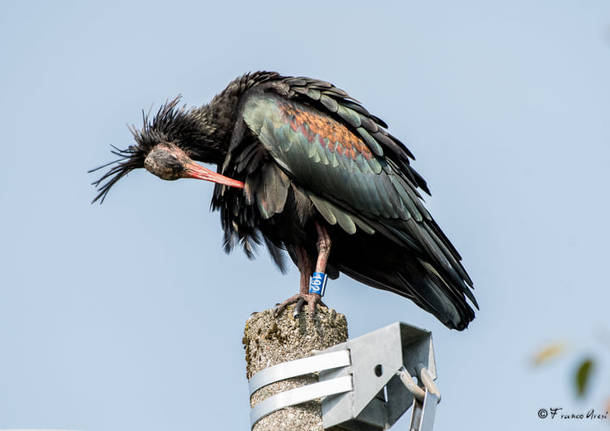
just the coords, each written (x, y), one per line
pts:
(299, 160)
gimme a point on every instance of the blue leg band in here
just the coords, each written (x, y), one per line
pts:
(317, 283)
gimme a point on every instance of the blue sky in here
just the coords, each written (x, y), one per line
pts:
(129, 315)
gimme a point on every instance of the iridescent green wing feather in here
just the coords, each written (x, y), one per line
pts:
(350, 183)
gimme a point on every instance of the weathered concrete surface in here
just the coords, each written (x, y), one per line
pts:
(269, 341)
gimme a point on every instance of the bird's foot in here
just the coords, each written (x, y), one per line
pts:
(312, 299)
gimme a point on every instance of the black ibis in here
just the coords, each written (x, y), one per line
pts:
(306, 169)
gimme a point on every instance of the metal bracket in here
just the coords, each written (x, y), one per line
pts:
(299, 367)
(366, 383)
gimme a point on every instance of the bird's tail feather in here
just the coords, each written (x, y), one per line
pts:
(422, 284)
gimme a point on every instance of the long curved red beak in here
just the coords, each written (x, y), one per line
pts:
(195, 170)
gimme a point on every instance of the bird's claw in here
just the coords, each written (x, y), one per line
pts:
(312, 299)
(298, 308)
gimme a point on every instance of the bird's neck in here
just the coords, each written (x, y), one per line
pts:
(216, 122)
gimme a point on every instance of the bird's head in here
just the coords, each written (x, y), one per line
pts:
(167, 145)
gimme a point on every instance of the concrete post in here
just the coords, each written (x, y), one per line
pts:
(269, 341)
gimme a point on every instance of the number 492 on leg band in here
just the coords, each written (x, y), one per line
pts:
(317, 283)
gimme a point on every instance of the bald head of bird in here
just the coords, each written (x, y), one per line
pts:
(168, 146)
(170, 162)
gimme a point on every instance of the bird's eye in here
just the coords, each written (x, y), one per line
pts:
(171, 161)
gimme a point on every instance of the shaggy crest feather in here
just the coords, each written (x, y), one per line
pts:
(170, 124)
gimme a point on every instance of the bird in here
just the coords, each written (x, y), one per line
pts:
(304, 168)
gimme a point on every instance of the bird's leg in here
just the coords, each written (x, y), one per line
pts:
(306, 268)
(305, 271)
(323, 246)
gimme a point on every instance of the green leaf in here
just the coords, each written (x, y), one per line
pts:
(583, 376)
